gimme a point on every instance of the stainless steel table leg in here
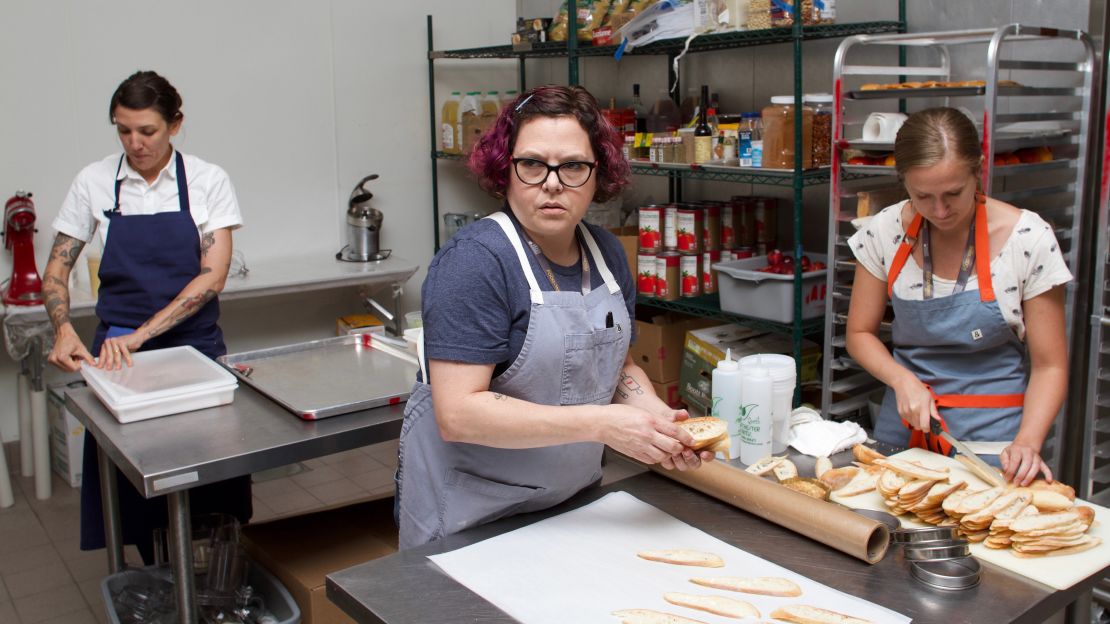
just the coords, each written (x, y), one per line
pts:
(109, 504)
(181, 556)
(398, 326)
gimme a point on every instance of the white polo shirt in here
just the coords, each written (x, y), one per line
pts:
(212, 199)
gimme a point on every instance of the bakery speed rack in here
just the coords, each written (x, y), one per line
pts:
(1028, 90)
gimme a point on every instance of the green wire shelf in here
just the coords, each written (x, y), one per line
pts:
(703, 43)
(709, 306)
(770, 177)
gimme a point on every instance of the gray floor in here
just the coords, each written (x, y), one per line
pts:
(46, 579)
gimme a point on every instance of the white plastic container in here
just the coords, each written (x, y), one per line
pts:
(755, 415)
(726, 400)
(161, 382)
(746, 290)
(784, 377)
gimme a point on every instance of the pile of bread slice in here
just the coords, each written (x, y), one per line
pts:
(934, 84)
(1040, 519)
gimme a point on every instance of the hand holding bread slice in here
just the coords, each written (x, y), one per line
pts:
(706, 431)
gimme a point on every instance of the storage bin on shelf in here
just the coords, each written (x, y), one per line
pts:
(277, 599)
(770, 296)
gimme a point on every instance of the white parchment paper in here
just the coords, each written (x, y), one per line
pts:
(581, 565)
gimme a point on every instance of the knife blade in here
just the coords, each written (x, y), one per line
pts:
(982, 469)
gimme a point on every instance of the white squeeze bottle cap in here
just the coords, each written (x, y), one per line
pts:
(727, 363)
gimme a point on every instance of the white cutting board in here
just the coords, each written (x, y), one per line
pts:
(581, 565)
(1060, 572)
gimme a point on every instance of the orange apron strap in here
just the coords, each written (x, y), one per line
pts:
(903, 253)
(986, 401)
(983, 251)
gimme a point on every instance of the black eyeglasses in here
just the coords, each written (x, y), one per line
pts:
(571, 174)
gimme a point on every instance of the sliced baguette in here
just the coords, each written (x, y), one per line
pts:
(706, 431)
(1056, 486)
(784, 470)
(1050, 500)
(647, 616)
(913, 471)
(681, 556)
(837, 478)
(864, 481)
(721, 446)
(865, 454)
(761, 585)
(805, 614)
(823, 465)
(765, 465)
(717, 605)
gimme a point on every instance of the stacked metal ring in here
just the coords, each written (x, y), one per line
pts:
(938, 557)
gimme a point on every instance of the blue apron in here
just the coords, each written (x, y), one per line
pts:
(571, 356)
(147, 261)
(960, 346)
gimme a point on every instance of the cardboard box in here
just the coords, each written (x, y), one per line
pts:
(668, 392)
(302, 550)
(358, 324)
(659, 342)
(67, 435)
(706, 347)
(629, 236)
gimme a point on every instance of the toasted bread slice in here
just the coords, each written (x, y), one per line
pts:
(706, 431)
(866, 454)
(1090, 543)
(837, 478)
(681, 556)
(913, 471)
(648, 616)
(761, 585)
(784, 470)
(765, 465)
(805, 614)
(717, 605)
(864, 481)
(810, 487)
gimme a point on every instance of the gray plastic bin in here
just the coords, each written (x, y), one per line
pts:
(746, 290)
(266, 585)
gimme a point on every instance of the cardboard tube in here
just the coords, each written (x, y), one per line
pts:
(825, 522)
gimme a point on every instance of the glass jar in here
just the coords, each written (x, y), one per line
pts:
(759, 14)
(824, 11)
(778, 134)
(783, 12)
(821, 103)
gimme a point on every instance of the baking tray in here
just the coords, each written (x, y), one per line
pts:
(879, 94)
(327, 377)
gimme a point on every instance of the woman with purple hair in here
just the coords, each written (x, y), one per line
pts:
(524, 369)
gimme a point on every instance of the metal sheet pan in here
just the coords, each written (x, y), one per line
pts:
(326, 377)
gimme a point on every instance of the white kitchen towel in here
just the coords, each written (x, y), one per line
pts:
(882, 127)
(581, 566)
(812, 435)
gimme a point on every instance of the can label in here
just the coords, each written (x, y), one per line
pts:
(670, 227)
(711, 227)
(743, 252)
(728, 234)
(688, 230)
(690, 267)
(645, 275)
(650, 239)
(666, 276)
(766, 226)
(708, 273)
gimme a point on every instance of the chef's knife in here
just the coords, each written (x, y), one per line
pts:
(982, 469)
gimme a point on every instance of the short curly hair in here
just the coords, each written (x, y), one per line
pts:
(490, 160)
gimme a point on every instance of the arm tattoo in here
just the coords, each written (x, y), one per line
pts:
(66, 249)
(206, 243)
(497, 396)
(187, 306)
(628, 384)
(56, 297)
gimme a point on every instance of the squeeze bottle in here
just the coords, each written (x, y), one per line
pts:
(726, 399)
(754, 416)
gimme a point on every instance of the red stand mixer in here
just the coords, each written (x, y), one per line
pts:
(25, 286)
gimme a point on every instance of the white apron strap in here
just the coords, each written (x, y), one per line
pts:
(506, 224)
(599, 261)
(420, 355)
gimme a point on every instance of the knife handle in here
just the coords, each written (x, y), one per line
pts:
(935, 426)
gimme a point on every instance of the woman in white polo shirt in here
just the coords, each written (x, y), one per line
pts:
(165, 219)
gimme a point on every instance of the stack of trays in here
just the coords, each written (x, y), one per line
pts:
(161, 382)
(938, 557)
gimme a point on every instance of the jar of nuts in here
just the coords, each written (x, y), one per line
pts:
(821, 103)
(783, 12)
(759, 14)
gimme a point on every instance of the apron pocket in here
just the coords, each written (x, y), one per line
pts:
(591, 363)
(469, 500)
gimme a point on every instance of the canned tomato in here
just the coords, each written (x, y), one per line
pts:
(743, 221)
(728, 231)
(743, 252)
(645, 274)
(766, 225)
(711, 226)
(666, 275)
(670, 227)
(708, 273)
(690, 269)
(688, 229)
(650, 219)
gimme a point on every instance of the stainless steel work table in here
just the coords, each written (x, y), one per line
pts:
(170, 455)
(407, 587)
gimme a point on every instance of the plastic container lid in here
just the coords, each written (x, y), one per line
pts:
(779, 367)
(820, 98)
(782, 99)
(157, 375)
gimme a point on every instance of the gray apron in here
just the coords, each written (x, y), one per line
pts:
(961, 346)
(569, 357)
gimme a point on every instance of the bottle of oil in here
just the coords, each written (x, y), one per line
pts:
(449, 125)
(703, 134)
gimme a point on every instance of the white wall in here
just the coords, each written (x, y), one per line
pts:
(296, 100)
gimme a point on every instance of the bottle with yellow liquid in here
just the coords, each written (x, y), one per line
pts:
(450, 140)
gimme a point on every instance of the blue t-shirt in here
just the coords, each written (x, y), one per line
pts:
(475, 296)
